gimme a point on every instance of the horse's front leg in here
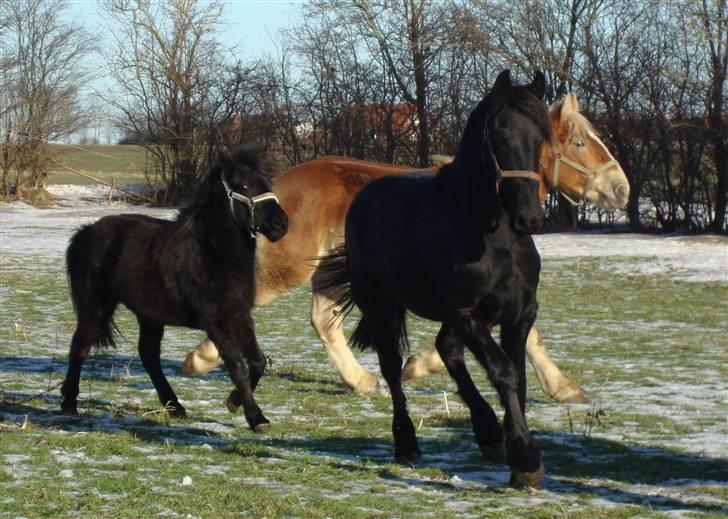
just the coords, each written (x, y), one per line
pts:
(487, 431)
(513, 343)
(524, 457)
(553, 382)
(234, 343)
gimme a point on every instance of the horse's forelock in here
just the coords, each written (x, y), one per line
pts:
(256, 159)
(523, 100)
(581, 126)
(570, 120)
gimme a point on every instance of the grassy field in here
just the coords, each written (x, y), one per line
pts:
(649, 351)
(125, 164)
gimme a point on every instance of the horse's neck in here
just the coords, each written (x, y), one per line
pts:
(217, 230)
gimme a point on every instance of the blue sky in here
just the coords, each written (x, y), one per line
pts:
(249, 24)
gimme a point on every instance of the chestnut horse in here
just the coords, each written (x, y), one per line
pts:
(317, 195)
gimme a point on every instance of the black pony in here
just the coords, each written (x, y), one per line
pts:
(196, 271)
(456, 248)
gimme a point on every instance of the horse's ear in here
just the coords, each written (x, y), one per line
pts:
(571, 103)
(539, 85)
(502, 83)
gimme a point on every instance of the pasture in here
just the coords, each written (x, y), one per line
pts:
(122, 163)
(641, 322)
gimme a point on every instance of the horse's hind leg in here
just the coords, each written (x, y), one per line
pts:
(381, 329)
(327, 322)
(150, 340)
(406, 449)
(84, 336)
(487, 431)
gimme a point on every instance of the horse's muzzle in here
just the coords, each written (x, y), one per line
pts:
(529, 223)
(276, 228)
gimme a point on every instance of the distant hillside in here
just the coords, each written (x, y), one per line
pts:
(123, 163)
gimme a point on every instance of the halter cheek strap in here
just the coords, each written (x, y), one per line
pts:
(248, 202)
(587, 172)
(508, 173)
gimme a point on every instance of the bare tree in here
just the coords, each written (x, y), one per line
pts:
(176, 90)
(553, 44)
(41, 73)
(713, 34)
(402, 38)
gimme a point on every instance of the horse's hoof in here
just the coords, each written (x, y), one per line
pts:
(409, 456)
(177, 411)
(367, 385)
(409, 460)
(571, 394)
(195, 366)
(261, 427)
(528, 479)
(232, 406)
(69, 410)
(415, 368)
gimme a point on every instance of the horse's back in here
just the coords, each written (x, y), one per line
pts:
(316, 196)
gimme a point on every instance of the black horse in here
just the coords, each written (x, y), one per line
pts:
(196, 271)
(456, 248)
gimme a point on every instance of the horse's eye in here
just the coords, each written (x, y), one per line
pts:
(579, 143)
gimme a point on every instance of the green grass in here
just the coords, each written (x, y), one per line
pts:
(650, 352)
(123, 163)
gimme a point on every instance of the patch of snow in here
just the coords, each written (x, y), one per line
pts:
(688, 258)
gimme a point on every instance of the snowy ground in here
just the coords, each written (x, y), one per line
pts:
(664, 401)
(25, 230)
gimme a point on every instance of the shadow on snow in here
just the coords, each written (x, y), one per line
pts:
(575, 464)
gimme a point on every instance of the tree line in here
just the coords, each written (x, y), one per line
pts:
(386, 80)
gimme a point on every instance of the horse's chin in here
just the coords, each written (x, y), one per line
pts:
(273, 235)
(525, 230)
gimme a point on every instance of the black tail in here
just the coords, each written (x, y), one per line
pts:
(379, 320)
(337, 278)
(90, 294)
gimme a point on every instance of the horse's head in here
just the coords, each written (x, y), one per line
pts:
(583, 167)
(517, 126)
(249, 196)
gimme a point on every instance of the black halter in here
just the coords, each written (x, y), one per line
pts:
(247, 202)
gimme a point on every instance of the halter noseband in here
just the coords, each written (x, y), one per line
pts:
(247, 202)
(587, 172)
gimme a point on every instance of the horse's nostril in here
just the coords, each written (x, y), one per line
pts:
(621, 191)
